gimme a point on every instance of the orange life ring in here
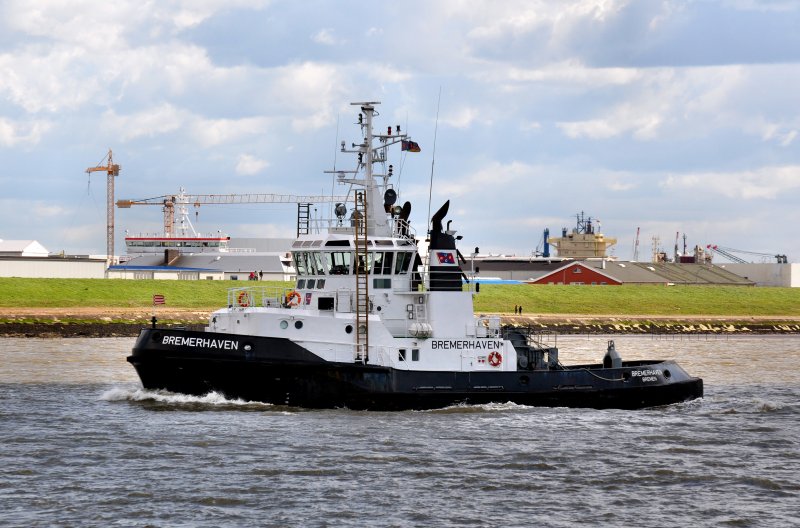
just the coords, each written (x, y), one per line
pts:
(495, 358)
(243, 299)
(293, 296)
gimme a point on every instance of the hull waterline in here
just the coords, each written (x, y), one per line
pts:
(280, 372)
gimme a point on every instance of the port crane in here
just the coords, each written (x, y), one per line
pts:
(181, 201)
(729, 254)
(112, 171)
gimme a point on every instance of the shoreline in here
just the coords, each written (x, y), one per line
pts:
(126, 322)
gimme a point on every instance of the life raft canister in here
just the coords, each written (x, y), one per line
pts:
(293, 299)
(495, 358)
(243, 299)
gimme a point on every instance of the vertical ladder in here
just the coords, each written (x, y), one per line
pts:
(362, 277)
(303, 218)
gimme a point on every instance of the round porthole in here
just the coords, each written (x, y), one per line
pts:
(667, 374)
(378, 308)
(298, 324)
(284, 324)
(348, 329)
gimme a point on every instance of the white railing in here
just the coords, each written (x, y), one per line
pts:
(259, 296)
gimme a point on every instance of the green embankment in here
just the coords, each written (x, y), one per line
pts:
(577, 300)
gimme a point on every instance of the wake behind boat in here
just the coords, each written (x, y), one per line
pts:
(371, 323)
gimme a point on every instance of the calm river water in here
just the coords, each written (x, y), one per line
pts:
(81, 444)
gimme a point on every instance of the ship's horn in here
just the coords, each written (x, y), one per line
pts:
(436, 219)
(406, 212)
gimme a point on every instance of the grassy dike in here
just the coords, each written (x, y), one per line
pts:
(31, 306)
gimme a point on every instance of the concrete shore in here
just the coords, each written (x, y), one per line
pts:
(121, 322)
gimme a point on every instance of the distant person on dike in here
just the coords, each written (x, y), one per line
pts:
(515, 309)
(520, 309)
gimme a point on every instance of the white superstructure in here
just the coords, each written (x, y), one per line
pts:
(363, 292)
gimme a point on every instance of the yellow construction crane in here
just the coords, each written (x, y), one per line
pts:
(112, 170)
(182, 200)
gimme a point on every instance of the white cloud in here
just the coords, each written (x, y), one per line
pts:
(13, 133)
(620, 186)
(325, 37)
(166, 119)
(152, 122)
(99, 25)
(782, 133)
(763, 5)
(625, 118)
(212, 132)
(572, 72)
(49, 210)
(264, 230)
(663, 99)
(493, 174)
(249, 165)
(762, 183)
(461, 118)
(308, 91)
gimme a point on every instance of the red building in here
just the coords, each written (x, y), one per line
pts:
(577, 273)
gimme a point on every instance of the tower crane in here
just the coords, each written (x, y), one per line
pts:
(112, 170)
(729, 254)
(182, 200)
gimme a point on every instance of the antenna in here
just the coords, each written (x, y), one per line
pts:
(335, 152)
(433, 156)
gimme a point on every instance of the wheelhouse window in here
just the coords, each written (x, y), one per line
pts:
(382, 284)
(315, 263)
(309, 263)
(383, 263)
(338, 262)
(402, 262)
(300, 262)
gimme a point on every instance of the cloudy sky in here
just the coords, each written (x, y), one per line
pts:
(673, 116)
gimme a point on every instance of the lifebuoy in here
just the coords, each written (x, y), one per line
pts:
(243, 299)
(293, 299)
(495, 358)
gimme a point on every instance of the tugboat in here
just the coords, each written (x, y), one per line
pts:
(372, 323)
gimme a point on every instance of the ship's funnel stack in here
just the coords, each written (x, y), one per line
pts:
(443, 257)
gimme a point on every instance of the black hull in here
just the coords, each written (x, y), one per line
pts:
(280, 372)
